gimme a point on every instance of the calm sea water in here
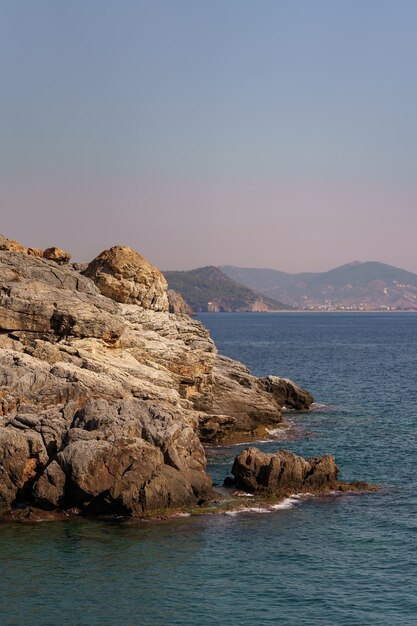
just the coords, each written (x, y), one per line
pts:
(345, 561)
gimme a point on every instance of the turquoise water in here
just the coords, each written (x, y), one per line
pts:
(347, 561)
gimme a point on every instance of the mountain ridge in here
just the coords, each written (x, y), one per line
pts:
(368, 285)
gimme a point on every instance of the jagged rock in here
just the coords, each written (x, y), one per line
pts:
(57, 255)
(138, 456)
(49, 490)
(10, 245)
(236, 392)
(103, 403)
(35, 297)
(35, 252)
(79, 267)
(287, 393)
(215, 429)
(22, 456)
(284, 473)
(125, 276)
(177, 304)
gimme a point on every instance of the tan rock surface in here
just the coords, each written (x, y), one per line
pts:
(177, 304)
(10, 245)
(125, 276)
(56, 254)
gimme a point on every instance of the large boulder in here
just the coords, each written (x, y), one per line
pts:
(283, 473)
(133, 457)
(125, 276)
(55, 254)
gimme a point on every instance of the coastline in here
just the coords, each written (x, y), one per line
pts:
(107, 398)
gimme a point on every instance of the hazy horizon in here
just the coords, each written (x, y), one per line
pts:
(275, 135)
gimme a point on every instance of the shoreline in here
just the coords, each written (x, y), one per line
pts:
(234, 504)
(303, 311)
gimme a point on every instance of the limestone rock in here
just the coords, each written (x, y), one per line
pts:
(239, 394)
(35, 297)
(10, 245)
(284, 473)
(57, 255)
(125, 276)
(140, 456)
(216, 429)
(177, 304)
(104, 404)
(49, 489)
(287, 393)
(35, 252)
(22, 455)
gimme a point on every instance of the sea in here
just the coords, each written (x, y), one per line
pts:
(348, 560)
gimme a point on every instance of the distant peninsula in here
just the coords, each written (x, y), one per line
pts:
(356, 286)
(210, 289)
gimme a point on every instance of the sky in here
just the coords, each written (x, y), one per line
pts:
(259, 133)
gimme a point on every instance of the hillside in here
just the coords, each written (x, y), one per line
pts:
(354, 286)
(209, 289)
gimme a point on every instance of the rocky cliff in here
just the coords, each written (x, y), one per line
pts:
(105, 396)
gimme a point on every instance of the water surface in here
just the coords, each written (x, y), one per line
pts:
(345, 561)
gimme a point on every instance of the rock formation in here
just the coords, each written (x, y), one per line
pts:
(177, 304)
(284, 473)
(53, 254)
(287, 394)
(10, 245)
(125, 276)
(105, 397)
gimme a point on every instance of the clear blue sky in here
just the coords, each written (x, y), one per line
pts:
(274, 133)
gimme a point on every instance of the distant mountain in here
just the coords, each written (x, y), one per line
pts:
(355, 286)
(209, 289)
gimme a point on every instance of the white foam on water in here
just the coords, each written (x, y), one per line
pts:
(287, 503)
(182, 515)
(249, 509)
(242, 494)
(277, 432)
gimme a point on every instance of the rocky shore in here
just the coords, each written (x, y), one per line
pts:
(106, 398)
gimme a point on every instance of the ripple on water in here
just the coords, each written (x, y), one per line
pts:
(345, 561)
